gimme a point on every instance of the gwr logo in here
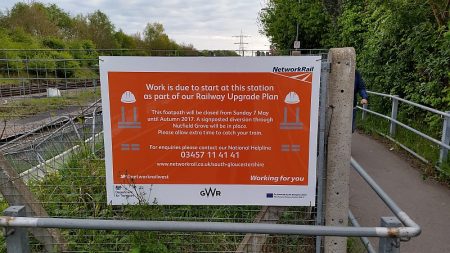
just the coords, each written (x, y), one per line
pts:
(210, 192)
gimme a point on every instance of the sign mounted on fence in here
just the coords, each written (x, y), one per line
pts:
(211, 131)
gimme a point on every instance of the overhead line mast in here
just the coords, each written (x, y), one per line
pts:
(241, 42)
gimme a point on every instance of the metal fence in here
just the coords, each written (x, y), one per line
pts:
(443, 144)
(54, 165)
(63, 167)
(390, 234)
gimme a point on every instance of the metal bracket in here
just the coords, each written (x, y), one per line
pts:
(389, 245)
(326, 66)
(16, 238)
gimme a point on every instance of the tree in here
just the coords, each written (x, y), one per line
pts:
(101, 30)
(35, 25)
(155, 37)
(80, 28)
(279, 20)
(124, 40)
(440, 11)
(402, 46)
(333, 7)
(349, 27)
(33, 19)
(62, 19)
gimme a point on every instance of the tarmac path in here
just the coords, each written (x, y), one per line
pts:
(425, 201)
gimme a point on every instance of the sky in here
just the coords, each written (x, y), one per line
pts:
(207, 24)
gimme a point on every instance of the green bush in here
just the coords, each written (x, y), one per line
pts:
(53, 43)
(66, 65)
(84, 50)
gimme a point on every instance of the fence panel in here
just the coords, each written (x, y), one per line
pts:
(51, 134)
(55, 146)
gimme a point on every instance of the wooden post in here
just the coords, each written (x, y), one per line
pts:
(254, 243)
(16, 193)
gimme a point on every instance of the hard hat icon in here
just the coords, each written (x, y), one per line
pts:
(292, 98)
(128, 97)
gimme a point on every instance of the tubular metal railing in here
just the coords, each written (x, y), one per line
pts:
(367, 244)
(393, 234)
(25, 79)
(444, 143)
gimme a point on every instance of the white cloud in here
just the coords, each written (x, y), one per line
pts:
(204, 23)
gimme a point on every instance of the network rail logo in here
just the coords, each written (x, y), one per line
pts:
(293, 69)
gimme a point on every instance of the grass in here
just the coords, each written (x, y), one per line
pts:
(84, 73)
(8, 81)
(355, 245)
(78, 190)
(18, 76)
(32, 106)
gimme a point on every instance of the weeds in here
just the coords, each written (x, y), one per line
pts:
(78, 190)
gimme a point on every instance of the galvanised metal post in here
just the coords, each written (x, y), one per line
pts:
(363, 114)
(16, 238)
(7, 64)
(94, 83)
(393, 128)
(27, 60)
(94, 113)
(389, 244)
(22, 88)
(321, 170)
(65, 73)
(445, 139)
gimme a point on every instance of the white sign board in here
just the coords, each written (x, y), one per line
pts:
(211, 131)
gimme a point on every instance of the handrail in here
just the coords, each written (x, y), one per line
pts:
(440, 143)
(411, 103)
(380, 94)
(444, 143)
(365, 240)
(411, 229)
(224, 227)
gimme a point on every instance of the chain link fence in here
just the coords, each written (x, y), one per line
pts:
(51, 136)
